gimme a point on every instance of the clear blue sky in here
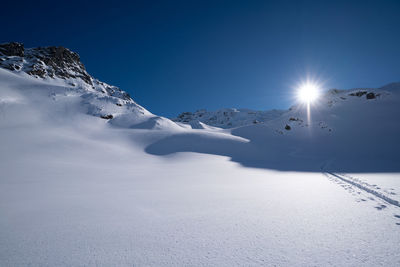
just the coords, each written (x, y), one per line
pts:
(175, 56)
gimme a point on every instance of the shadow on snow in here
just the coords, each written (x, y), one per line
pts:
(259, 146)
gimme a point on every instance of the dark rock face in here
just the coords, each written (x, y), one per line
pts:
(371, 96)
(359, 93)
(12, 49)
(60, 62)
(287, 127)
(185, 117)
(107, 117)
(52, 61)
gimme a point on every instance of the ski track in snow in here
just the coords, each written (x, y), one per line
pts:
(348, 183)
(365, 187)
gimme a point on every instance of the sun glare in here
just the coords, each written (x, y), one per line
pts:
(308, 92)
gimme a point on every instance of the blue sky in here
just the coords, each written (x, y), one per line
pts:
(175, 56)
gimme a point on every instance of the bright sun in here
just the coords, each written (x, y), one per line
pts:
(308, 92)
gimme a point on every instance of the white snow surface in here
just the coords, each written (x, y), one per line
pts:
(142, 190)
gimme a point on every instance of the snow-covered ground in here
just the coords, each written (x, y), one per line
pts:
(136, 189)
(187, 209)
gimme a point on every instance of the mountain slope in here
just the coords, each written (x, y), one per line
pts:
(141, 190)
(64, 77)
(351, 130)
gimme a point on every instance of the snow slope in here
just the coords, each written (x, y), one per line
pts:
(78, 189)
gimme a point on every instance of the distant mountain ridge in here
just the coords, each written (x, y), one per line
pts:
(228, 117)
(233, 118)
(61, 66)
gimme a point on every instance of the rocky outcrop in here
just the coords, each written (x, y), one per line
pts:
(57, 61)
(371, 96)
(107, 117)
(53, 62)
(12, 49)
(358, 93)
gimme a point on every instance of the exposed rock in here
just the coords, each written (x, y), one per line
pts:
(12, 49)
(54, 62)
(371, 96)
(37, 70)
(288, 128)
(228, 117)
(107, 117)
(358, 93)
(125, 95)
(60, 62)
(44, 62)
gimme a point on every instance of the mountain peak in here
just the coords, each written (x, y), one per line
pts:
(43, 62)
(54, 62)
(12, 49)
(61, 66)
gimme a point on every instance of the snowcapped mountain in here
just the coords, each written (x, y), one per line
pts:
(350, 130)
(62, 68)
(89, 177)
(52, 80)
(227, 118)
(336, 106)
(293, 117)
